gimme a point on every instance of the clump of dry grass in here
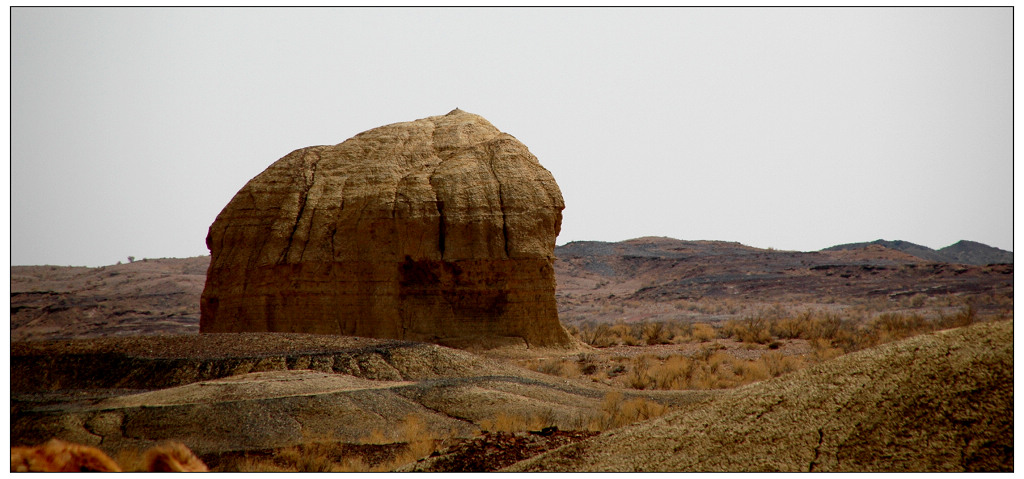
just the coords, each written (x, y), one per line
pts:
(617, 412)
(620, 333)
(702, 332)
(831, 334)
(561, 367)
(326, 455)
(710, 369)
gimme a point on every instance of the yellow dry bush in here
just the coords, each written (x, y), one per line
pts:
(702, 332)
(822, 350)
(674, 373)
(754, 329)
(638, 376)
(558, 367)
(616, 412)
(895, 326)
(376, 436)
(353, 464)
(716, 369)
(414, 429)
(747, 371)
(656, 333)
(779, 364)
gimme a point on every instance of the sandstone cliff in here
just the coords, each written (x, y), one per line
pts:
(440, 229)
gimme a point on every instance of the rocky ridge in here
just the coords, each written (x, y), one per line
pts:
(962, 252)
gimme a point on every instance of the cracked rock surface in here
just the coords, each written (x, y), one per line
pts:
(441, 230)
(936, 402)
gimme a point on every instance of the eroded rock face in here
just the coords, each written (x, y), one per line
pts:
(441, 229)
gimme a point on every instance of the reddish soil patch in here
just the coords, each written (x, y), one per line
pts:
(496, 450)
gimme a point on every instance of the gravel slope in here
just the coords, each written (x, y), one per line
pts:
(937, 402)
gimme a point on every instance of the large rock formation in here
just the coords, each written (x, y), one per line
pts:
(441, 229)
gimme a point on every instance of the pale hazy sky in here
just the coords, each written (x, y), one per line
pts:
(795, 129)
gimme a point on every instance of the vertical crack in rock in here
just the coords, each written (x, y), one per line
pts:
(309, 231)
(501, 202)
(817, 449)
(439, 203)
(334, 224)
(263, 241)
(303, 200)
(440, 227)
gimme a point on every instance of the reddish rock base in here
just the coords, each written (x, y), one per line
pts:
(447, 302)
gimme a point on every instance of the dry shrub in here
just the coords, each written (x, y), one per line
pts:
(638, 376)
(558, 367)
(702, 332)
(376, 436)
(965, 317)
(705, 352)
(600, 336)
(587, 364)
(807, 325)
(312, 457)
(420, 443)
(822, 350)
(898, 326)
(753, 329)
(326, 455)
(630, 340)
(711, 368)
(831, 335)
(749, 371)
(656, 333)
(616, 412)
(356, 464)
(779, 364)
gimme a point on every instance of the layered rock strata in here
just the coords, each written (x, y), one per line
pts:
(440, 229)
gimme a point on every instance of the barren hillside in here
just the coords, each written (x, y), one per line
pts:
(937, 402)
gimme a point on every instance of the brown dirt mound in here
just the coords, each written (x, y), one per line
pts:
(937, 402)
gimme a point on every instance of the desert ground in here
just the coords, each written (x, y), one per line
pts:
(688, 356)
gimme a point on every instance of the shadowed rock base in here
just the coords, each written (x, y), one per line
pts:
(435, 301)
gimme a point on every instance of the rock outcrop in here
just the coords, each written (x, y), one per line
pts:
(440, 230)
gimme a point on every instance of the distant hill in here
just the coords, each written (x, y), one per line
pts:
(970, 252)
(963, 252)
